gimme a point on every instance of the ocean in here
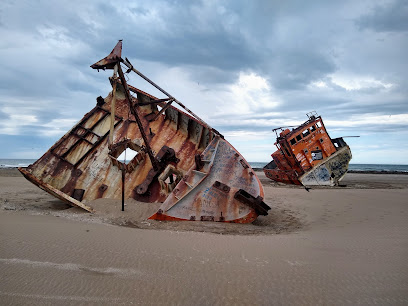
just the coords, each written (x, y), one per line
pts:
(358, 167)
(14, 163)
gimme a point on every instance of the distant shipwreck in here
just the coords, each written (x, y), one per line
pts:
(307, 155)
(179, 159)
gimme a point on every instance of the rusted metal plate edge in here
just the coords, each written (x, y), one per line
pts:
(185, 195)
(210, 153)
(326, 161)
(249, 218)
(53, 191)
(289, 174)
(331, 157)
(134, 89)
(201, 180)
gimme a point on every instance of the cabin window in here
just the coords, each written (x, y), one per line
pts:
(321, 140)
(312, 128)
(319, 124)
(306, 132)
(299, 137)
(293, 141)
(317, 155)
(306, 151)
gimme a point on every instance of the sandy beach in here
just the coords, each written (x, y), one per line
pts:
(345, 245)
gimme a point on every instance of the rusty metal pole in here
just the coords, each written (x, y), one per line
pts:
(139, 123)
(112, 125)
(123, 188)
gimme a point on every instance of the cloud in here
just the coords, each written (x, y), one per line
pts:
(244, 67)
(389, 17)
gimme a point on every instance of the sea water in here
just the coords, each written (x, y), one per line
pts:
(357, 167)
(14, 163)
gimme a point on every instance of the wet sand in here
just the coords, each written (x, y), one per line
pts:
(347, 245)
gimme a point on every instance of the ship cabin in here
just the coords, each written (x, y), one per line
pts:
(301, 149)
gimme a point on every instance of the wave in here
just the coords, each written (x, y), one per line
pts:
(15, 163)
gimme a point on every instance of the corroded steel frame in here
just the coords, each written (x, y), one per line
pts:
(294, 162)
(214, 182)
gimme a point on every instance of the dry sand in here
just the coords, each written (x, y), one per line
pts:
(347, 245)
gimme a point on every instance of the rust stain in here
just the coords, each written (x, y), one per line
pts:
(307, 155)
(84, 164)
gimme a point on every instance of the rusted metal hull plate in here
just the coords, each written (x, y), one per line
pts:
(180, 160)
(330, 171)
(210, 194)
(53, 191)
(307, 155)
(81, 159)
(282, 176)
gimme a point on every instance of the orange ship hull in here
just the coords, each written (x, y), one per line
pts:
(307, 156)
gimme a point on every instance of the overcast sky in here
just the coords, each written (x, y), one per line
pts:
(245, 67)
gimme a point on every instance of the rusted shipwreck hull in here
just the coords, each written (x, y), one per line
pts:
(180, 160)
(307, 155)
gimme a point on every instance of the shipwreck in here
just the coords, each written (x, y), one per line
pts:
(179, 160)
(307, 155)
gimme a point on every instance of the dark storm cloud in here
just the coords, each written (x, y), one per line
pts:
(297, 68)
(210, 75)
(386, 18)
(385, 107)
(352, 129)
(3, 115)
(184, 34)
(230, 37)
(339, 105)
(355, 51)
